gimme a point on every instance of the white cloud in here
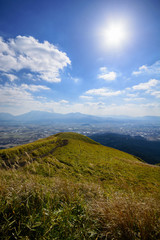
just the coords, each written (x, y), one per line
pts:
(106, 75)
(104, 92)
(34, 88)
(132, 109)
(13, 95)
(76, 80)
(24, 52)
(8, 62)
(5, 48)
(152, 69)
(63, 101)
(102, 109)
(111, 76)
(151, 87)
(86, 97)
(11, 77)
(103, 69)
(147, 85)
(155, 93)
(133, 99)
(17, 100)
(132, 95)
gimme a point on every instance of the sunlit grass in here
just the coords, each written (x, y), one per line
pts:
(73, 188)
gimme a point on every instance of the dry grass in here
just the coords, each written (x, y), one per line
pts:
(78, 191)
(36, 207)
(126, 217)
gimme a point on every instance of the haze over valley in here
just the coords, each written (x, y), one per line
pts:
(138, 136)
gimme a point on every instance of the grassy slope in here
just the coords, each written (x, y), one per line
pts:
(70, 187)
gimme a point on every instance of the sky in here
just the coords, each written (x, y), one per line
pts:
(97, 57)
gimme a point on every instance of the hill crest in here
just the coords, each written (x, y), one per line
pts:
(68, 187)
(72, 155)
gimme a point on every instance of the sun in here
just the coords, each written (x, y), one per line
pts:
(115, 34)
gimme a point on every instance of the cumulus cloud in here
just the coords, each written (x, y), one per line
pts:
(34, 88)
(17, 100)
(86, 97)
(11, 77)
(132, 95)
(151, 87)
(106, 75)
(63, 101)
(14, 95)
(23, 52)
(104, 92)
(147, 85)
(155, 93)
(134, 99)
(20, 99)
(152, 69)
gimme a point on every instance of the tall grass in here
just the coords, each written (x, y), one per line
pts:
(126, 217)
(33, 207)
(77, 189)
(30, 210)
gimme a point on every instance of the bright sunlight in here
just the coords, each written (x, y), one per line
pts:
(115, 34)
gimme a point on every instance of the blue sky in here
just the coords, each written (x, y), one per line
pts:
(91, 56)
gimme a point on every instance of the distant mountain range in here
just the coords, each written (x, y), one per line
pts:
(41, 116)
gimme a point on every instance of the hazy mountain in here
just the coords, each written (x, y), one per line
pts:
(7, 117)
(37, 116)
(42, 116)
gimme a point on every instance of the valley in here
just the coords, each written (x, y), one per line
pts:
(138, 138)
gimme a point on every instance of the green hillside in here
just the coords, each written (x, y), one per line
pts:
(69, 187)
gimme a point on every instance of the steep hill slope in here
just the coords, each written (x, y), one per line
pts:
(68, 186)
(71, 155)
(149, 151)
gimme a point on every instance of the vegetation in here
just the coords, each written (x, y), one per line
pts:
(149, 151)
(69, 187)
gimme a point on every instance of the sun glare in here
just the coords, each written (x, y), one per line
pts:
(115, 34)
